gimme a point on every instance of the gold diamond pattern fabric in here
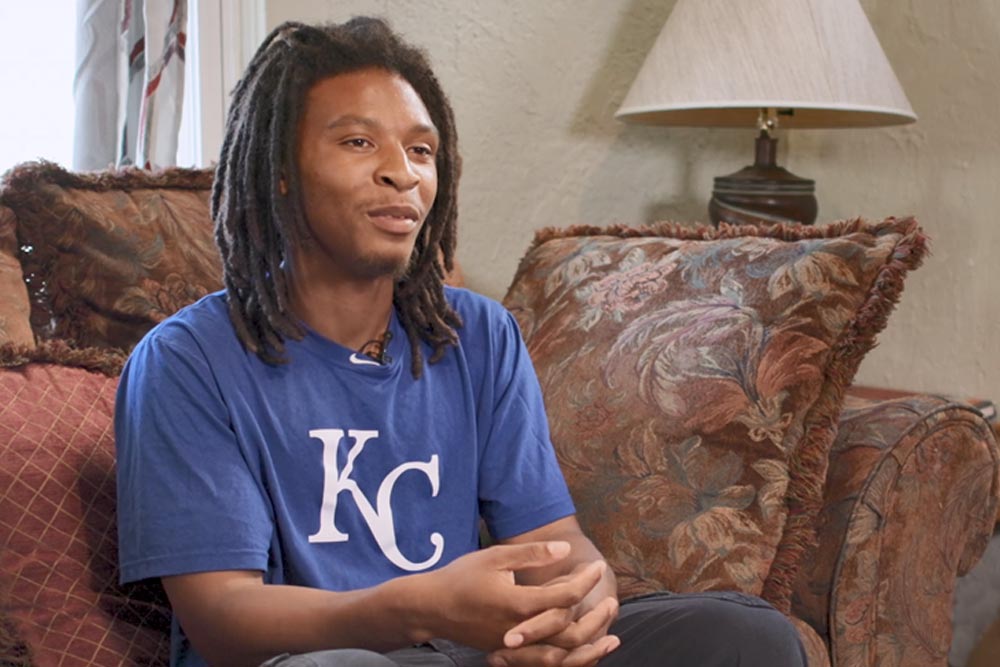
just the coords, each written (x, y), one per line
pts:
(58, 544)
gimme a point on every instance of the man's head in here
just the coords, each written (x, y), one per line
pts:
(265, 200)
(367, 153)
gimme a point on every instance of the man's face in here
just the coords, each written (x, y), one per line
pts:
(366, 158)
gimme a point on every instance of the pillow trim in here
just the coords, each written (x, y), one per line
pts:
(808, 468)
(106, 361)
(702, 232)
(22, 180)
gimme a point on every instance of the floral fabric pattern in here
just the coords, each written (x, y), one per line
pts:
(910, 503)
(109, 255)
(15, 327)
(687, 378)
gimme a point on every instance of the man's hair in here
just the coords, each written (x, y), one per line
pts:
(256, 197)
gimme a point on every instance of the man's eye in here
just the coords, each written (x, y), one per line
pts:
(358, 142)
(426, 151)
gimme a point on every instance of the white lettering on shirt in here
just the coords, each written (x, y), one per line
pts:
(379, 518)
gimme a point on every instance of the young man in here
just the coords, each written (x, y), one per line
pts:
(308, 489)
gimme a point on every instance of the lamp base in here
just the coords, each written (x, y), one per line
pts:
(763, 193)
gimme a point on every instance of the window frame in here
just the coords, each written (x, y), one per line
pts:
(222, 38)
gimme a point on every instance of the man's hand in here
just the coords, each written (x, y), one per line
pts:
(580, 643)
(565, 636)
(477, 600)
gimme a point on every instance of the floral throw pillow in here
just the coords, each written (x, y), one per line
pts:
(107, 255)
(693, 378)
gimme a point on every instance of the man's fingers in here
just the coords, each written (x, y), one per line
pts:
(527, 656)
(588, 628)
(569, 591)
(557, 626)
(565, 592)
(589, 654)
(545, 654)
(546, 624)
(527, 555)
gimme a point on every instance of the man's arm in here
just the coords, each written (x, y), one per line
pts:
(568, 636)
(234, 618)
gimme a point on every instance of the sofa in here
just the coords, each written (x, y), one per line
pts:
(697, 382)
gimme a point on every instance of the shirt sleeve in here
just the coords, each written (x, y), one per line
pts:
(189, 499)
(521, 484)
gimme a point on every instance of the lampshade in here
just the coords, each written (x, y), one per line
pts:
(719, 62)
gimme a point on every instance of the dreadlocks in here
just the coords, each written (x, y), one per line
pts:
(255, 220)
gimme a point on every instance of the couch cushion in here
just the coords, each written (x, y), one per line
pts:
(109, 254)
(59, 594)
(14, 309)
(693, 378)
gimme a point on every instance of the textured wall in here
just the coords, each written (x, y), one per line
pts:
(535, 84)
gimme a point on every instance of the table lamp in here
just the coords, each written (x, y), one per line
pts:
(766, 64)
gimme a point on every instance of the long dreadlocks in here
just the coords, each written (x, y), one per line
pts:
(255, 220)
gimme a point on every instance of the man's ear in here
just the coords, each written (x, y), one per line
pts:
(282, 186)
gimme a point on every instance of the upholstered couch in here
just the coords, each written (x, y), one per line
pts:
(697, 383)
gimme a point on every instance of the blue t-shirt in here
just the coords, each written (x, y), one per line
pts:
(330, 471)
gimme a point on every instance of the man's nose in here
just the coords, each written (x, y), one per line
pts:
(396, 170)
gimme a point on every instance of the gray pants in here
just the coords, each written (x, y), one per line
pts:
(659, 630)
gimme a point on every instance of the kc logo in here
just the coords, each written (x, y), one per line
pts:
(378, 518)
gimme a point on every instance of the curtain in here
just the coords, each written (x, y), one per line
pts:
(129, 83)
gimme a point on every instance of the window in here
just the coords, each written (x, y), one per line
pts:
(37, 69)
(36, 77)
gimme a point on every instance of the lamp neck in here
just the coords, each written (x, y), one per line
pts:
(765, 150)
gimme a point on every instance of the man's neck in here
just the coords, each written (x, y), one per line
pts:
(350, 314)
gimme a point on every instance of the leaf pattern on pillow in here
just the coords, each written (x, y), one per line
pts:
(157, 300)
(717, 338)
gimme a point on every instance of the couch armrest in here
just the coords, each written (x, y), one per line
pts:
(911, 501)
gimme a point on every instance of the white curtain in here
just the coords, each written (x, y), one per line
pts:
(129, 85)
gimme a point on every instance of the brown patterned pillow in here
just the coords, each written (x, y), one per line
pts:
(693, 379)
(107, 255)
(14, 309)
(60, 599)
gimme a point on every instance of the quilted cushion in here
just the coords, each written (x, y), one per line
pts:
(59, 596)
(693, 378)
(109, 254)
(14, 324)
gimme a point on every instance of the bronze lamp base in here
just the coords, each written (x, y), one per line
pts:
(763, 193)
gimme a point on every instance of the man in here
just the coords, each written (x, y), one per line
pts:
(308, 489)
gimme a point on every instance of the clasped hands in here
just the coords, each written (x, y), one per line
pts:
(562, 622)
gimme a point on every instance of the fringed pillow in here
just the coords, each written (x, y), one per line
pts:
(693, 378)
(109, 254)
(60, 600)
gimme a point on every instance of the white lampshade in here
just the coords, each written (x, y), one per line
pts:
(718, 62)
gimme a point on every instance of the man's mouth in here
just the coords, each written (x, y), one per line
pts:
(397, 219)
(402, 211)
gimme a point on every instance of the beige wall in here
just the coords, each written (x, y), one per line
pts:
(535, 85)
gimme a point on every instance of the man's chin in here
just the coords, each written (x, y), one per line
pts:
(382, 266)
